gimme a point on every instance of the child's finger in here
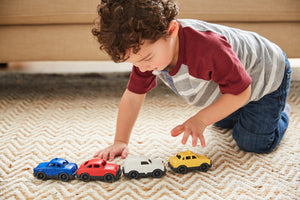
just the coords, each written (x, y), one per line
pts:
(202, 140)
(185, 136)
(177, 130)
(105, 155)
(97, 154)
(124, 153)
(194, 140)
(101, 155)
(111, 156)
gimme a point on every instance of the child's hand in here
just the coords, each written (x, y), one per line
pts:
(117, 149)
(193, 127)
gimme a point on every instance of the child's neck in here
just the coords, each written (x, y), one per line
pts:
(175, 56)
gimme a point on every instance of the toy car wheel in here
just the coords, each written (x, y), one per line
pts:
(41, 175)
(157, 173)
(204, 167)
(63, 177)
(182, 169)
(108, 178)
(133, 175)
(85, 177)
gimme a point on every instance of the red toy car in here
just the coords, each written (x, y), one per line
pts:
(98, 169)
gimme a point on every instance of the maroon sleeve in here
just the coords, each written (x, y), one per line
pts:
(228, 70)
(210, 57)
(141, 82)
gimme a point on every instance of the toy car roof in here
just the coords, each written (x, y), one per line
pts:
(137, 158)
(58, 160)
(190, 153)
(187, 153)
(95, 161)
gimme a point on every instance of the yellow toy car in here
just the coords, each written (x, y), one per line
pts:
(186, 161)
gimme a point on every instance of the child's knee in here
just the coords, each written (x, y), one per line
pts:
(253, 142)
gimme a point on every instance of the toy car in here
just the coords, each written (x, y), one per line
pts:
(99, 169)
(57, 168)
(141, 166)
(186, 161)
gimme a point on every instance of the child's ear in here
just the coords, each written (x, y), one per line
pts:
(173, 28)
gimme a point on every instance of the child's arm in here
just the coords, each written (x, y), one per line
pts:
(129, 108)
(221, 108)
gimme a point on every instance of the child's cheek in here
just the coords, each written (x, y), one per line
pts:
(162, 61)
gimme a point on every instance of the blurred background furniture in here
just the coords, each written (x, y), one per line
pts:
(54, 30)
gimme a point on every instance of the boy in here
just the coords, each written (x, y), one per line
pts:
(238, 78)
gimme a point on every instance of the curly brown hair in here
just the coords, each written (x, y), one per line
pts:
(126, 24)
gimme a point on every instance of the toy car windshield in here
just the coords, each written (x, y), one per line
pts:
(65, 163)
(178, 156)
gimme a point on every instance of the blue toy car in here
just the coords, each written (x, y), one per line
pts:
(57, 168)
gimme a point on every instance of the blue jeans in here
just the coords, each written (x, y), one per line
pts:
(260, 125)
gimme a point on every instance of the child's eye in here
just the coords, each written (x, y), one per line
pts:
(148, 59)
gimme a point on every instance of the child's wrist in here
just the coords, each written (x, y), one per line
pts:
(120, 141)
(202, 124)
(203, 118)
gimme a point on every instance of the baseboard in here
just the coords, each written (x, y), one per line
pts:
(76, 67)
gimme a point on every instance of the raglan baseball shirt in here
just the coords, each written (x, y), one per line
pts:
(215, 59)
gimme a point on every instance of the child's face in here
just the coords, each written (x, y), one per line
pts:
(156, 56)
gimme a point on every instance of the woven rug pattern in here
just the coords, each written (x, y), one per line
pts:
(73, 116)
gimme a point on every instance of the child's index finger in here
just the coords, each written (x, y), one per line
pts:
(177, 130)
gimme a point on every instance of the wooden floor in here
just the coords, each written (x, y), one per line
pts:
(68, 67)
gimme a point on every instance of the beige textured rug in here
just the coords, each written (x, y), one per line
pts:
(73, 116)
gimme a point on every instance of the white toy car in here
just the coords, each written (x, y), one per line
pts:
(141, 166)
